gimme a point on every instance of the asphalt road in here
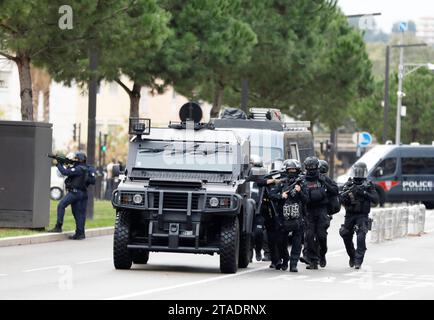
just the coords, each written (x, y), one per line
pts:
(398, 269)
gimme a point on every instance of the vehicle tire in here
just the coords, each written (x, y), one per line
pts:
(122, 257)
(381, 196)
(246, 251)
(56, 193)
(140, 256)
(229, 245)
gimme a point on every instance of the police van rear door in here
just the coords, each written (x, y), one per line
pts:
(417, 170)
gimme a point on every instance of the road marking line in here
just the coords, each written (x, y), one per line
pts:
(387, 295)
(387, 260)
(45, 268)
(182, 285)
(93, 261)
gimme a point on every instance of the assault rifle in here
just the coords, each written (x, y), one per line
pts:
(62, 160)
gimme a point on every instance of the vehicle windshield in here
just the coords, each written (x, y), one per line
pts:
(374, 155)
(191, 156)
(268, 154)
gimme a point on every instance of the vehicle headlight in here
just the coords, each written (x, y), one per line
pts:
(137, 199)
(214, 202)
(219, 202)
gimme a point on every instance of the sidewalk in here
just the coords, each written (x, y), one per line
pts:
(51, 237)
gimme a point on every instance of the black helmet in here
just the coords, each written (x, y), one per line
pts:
(80, 156)
(311, 163)
(323, 166)
(292, 164)
(359, 171)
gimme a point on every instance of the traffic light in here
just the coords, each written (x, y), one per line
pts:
(103, 148)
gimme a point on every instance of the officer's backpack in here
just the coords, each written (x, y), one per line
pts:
(334, 205)
(90, 178)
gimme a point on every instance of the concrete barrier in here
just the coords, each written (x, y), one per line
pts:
(397, 222)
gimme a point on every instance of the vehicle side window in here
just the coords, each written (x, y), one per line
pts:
(293, 151)
(388, 166)
(417, 166)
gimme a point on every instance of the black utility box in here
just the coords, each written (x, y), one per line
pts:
(25, 174)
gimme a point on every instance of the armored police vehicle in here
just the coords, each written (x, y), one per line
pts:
(402, 173)
(184, 190)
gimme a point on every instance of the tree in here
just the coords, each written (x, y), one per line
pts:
(419, 100)
(210, 42)
(124, 34)
(29, 30)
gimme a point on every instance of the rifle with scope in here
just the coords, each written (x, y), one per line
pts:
(61, 160)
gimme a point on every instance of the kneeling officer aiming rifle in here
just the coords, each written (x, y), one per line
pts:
(79, 177)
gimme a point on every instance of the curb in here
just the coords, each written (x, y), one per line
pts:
(52, 237)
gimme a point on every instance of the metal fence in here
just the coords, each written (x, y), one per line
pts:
(397, 222)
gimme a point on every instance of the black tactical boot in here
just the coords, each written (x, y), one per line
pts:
(357, 265)
(77, 237)
(266, 257)
(293, 268)
(351, 263)
(304, 260)
(323, 262)
(272, 266)
(57, 228)
(284, 266)
(258, 255)
(279, 265)
(312, 266)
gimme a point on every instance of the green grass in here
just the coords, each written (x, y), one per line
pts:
(104, 216)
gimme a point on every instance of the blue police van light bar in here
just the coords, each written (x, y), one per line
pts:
(139, 126)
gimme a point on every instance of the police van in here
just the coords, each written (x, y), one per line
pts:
(402, 173)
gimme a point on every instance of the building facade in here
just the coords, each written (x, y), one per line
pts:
(425, 30)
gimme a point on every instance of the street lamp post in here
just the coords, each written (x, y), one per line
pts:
(401, 77)
(400, 95)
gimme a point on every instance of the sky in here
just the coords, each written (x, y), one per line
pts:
(391, 10)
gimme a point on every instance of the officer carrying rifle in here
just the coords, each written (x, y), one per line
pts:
(79, 177)
(356, 196)
(290, 200)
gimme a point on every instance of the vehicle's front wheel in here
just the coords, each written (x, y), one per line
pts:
(122, 257)
(229, 245)
(245, 250)
(140, 256)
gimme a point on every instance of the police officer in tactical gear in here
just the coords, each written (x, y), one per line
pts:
(290, 199)
(316, 214)
(258, 221)
(76, 185)
(357, 195)
(333, 205)
(268, 210)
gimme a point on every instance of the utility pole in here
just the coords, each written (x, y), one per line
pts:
(386, 96)
(100, 151)
(400, 96)
(91, 125)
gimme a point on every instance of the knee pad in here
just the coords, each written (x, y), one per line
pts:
(344, 232)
